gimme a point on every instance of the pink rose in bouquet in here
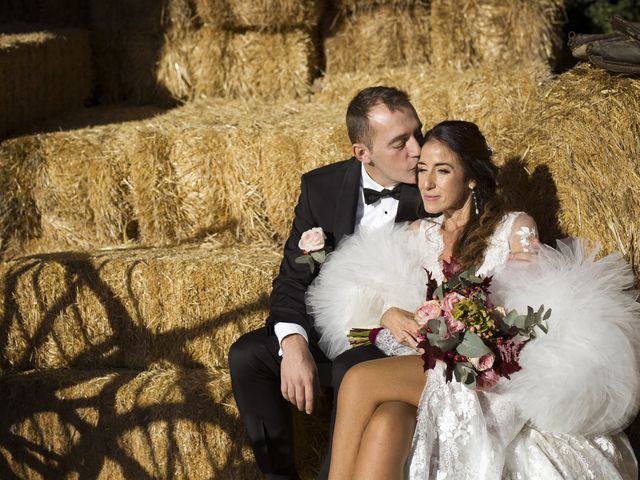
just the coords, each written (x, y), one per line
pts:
(483, 363)
(428, 311)
(450, 299)
(487, 380)
(312, 240)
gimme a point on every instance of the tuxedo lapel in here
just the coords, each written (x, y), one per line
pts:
(409, 204)
(347, 204)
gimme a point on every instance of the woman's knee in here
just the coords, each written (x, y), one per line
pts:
(392, 421)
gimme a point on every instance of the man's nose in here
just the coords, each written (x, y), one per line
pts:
(413, 147)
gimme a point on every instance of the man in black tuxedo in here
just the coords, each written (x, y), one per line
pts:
(278, 364)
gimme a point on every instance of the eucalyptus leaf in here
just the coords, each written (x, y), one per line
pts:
(448, 344)
(465, 374)
(472, 346)
(302, 259)
(439, 292)
(319, 256)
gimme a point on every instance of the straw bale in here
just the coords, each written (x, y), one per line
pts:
(127, 67)
(212, 13)
(274, 14)
(259, 151)
(206, 62)
(378, 38)
(63, 80)
(468, 32)
(133, 308)
(69, 189)
(586, 132)
(119, 424)
(142, 50)
(500, 105)
(353, 5)
(270, 65)
(19, 171)
(177, 177)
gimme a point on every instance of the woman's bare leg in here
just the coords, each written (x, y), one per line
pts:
(364, 388)
(386, 442)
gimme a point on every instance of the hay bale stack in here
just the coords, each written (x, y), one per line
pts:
(122, 424)
(41, 74)
(465, 33)
(141, 50)
(133, 308)
(586, 132)
(229, 165)
(274, 14)
(270, 66)
(502, 106)
(19, 172)
(377, 38)
(72, 190)
(356, 4)
(259, 152)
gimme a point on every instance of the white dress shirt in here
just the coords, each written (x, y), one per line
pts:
(380, 214)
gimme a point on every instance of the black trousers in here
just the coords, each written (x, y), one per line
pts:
(254, 365)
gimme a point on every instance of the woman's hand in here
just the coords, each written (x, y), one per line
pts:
(402, 326)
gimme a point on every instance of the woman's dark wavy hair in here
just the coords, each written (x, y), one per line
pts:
(466, 141)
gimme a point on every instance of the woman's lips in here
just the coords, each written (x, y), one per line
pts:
(429, 198)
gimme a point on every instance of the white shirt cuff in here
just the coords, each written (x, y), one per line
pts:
(284, 329)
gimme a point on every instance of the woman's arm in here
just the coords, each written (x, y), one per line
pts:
(524, 242)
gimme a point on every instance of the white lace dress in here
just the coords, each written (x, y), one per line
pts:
(544, 423)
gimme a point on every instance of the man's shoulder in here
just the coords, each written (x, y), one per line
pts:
(331, 170)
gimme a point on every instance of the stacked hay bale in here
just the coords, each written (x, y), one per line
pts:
(271, 51)
(162, 321)
(586, 132)
(41, 73)
(369, 36)
(133, 308)
(198, 170)
(140, 50)
(465, 33)
(66, 190)
(176, 50)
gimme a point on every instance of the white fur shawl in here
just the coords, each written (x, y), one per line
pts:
(582, 377)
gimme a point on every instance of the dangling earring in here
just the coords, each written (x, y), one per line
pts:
(475, 201)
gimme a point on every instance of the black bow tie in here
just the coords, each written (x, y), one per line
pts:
(372, 196)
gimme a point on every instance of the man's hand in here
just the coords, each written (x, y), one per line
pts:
(298, 373)
(402, 326)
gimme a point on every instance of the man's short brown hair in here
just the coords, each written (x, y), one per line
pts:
(358, 126)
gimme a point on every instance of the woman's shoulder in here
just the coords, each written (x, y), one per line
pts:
(424, 224)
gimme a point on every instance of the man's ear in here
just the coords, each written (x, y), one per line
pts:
(361, 152)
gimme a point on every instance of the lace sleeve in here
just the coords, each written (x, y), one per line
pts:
(388, 345)
(524, 235)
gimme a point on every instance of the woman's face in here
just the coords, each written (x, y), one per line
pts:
(441, 179)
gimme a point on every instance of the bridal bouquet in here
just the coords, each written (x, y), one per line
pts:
(478, 341)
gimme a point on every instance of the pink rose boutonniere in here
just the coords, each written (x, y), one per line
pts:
(313, 246)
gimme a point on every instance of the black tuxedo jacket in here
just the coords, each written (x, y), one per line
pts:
(328, 199)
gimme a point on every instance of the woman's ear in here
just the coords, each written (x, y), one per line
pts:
(472, 184)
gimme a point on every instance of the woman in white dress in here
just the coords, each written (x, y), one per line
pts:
(558, 418)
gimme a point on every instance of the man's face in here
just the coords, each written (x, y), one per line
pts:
(395, 146)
